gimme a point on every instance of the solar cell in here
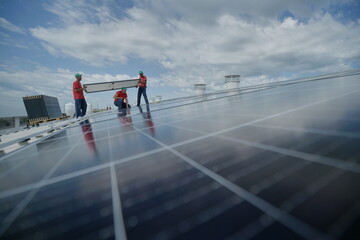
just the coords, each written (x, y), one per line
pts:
(276, 162)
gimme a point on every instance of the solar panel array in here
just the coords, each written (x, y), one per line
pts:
(278, 163)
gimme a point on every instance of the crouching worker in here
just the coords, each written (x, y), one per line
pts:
(121, 100)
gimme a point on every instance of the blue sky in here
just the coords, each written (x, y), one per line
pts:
(176, 43)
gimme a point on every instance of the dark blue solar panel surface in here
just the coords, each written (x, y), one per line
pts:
(276, 163)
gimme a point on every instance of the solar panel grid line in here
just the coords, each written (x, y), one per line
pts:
(226, 96)
(220, 166)
(117, 209)
(322, 77)
(275, 84)
(313, 89)
(350, 119)
(301, 88)
(78, 201)
(225, 93)
(298, 117)
(48, 202)
(192, 195)
(303, 195)
(202, 217)
(185, 180)
(64, 177)
(310, 190)
(288, 82)
(183, 226)
(74, 174)
(131, 115)
(266, 183)
(53, 180)
(16, 211)
(314, 141)
(247, 167)
(164, 173)
(253, 168)
(119, 226)
(348, 166)
(137, 195)
(46, 140)
(191, 103)
(9, 144)
(33, 143)
(313, 130)
(291, 222)
(219, 104)
(260, 119)
(74, 124)
(26, 159)
(278, 177)
(227, 164)
(201, 97)
(10, 218)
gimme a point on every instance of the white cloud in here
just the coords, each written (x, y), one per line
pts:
(11, 27)
(205, 40)
(83, 11)
(207, 11)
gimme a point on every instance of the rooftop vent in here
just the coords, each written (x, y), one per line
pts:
(200, 89)
(232, 81)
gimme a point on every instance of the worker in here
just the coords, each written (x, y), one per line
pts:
(78, 92)
(142, 88)
(121, 99)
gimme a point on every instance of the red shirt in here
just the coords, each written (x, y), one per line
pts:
(143, 80)
(80, 94)
(121, 94)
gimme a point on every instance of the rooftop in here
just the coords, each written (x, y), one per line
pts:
(277, 161)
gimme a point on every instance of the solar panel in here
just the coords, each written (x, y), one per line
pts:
(108, 86)
(276, 162)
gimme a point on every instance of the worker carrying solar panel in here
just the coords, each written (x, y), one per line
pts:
(78, 92)
(121, 99)
(142, 88)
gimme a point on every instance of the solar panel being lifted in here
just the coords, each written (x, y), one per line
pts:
(108, 86)
(280, 163)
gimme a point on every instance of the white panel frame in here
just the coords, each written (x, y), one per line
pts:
(108, 86)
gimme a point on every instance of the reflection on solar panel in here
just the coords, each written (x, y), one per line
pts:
(280, 163)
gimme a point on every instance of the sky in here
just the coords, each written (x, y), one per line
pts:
(177, 44)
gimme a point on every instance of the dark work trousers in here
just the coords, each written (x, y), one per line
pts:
(80, 107)
(142, 90)
(121, 104)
